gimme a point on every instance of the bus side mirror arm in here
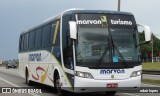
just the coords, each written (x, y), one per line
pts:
(73, 29)
(143, 43)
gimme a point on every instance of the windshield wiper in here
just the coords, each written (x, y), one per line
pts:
(120, 55)
(115, 48)
(102, 56)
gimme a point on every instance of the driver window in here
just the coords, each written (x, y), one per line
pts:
(66, 43)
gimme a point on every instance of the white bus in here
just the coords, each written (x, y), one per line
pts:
(83, 51)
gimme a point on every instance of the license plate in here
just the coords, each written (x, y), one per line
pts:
(112, 85)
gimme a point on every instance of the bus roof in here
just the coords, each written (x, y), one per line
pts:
(102, 11)
(75, 11)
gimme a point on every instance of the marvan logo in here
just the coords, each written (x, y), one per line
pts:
(35, 57)
(110, 71)
(89, 22)
(103, 21)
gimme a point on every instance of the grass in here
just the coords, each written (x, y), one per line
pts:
(151, 66)
(155, 82)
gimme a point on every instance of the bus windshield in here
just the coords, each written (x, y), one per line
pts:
(102, 39)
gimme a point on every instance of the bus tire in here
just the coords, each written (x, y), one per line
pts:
(57, 86)
(28, 82)
(110, 93)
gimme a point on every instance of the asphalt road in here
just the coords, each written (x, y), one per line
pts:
(11, 78)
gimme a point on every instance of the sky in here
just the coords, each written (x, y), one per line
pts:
(19, 15)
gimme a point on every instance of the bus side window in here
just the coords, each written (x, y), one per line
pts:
(26, 41)
(21, 42)
(53, 26)
(31, 39)
(46, 35)
(66, 43)
(38, 38)
(57, 37)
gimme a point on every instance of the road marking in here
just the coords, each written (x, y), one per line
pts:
(130, 94)
(17, 86)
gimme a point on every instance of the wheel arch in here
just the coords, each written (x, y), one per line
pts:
(57, 72)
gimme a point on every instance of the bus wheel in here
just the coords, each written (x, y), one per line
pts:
(57, 85)
(28, 82)
(110, 93)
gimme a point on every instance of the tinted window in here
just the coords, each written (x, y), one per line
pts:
(22, 42)
(46, 35)
(31, 39)
(38, 38)
(26, 41)
(65, 29)
(58, 35)
(66, 43)
(53, 26)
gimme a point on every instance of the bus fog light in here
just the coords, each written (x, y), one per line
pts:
(83, 74)
(136, 73)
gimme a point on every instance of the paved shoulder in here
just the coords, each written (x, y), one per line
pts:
(5, 88)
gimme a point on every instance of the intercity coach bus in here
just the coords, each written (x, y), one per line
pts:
(83, 51)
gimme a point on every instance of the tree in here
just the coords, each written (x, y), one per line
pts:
(146, 49)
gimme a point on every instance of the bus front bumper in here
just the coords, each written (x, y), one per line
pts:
(92, 85)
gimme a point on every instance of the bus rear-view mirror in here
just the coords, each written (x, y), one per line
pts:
(73, 29)
(147, 32)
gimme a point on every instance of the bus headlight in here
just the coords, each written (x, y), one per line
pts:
(84, 74)
(136, 73)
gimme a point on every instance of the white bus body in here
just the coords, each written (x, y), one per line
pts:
(103, 55)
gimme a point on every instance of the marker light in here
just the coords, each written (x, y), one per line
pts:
(84, 74)
(136, 73)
